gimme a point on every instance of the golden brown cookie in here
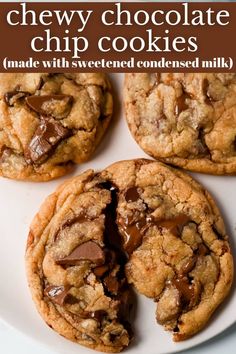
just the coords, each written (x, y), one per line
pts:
(49, 122)
(137, 221)
(75, 270)
(188, 120)
(177, 244)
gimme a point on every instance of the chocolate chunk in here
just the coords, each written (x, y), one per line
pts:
(57, 294)
(132, 195)
(188, 266)
(57, 106)
(174, 225)
(47, 136)
(112, 284)
(87, 251)
(201, 251)
(11, 97)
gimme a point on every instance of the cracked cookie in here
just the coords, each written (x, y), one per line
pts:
(137, 222)
(176, 241)
(75, 267)
(49, 122)
(187, 120)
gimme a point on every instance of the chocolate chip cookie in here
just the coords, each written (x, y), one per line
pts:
(75, 268)
(49, 122)
(138, 222)
(188, 120)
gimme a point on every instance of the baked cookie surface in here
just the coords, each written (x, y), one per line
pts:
(188, 120)
(48, 122)
(138, 222)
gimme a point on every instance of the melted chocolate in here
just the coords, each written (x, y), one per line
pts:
(185, 289)
(183, 281)
(132, 232)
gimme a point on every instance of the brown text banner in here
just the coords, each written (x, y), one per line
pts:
(117, 37)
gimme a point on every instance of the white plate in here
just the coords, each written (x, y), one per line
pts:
(20, 201)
